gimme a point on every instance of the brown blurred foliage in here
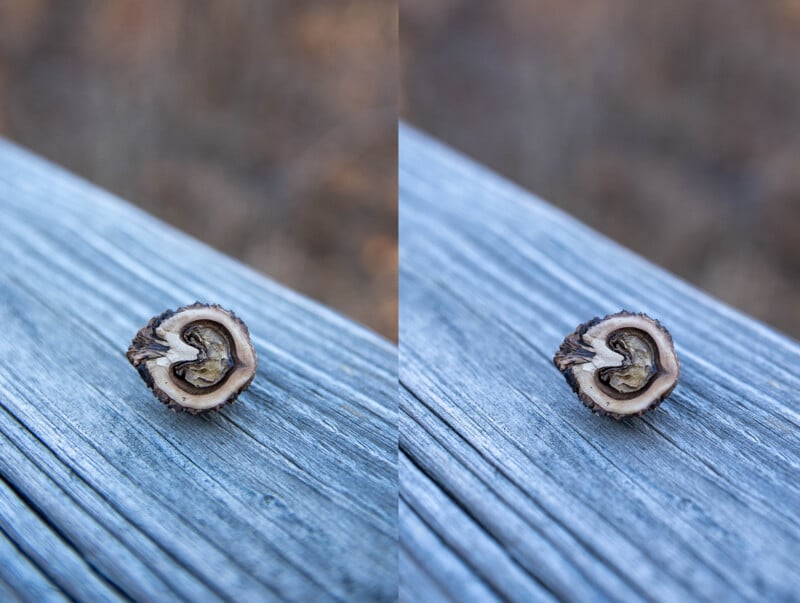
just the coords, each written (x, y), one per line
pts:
(673, 127)
(266, 128)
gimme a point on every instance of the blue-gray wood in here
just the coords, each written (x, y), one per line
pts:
(510, 488)
(288, 494)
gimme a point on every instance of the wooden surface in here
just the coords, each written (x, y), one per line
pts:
(510, 488)
(288, 494)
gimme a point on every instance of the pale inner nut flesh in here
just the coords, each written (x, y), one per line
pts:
(624, 364)
(196, 359)
(215, 359)
(639, 365)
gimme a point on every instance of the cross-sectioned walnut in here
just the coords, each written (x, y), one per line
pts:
(621, 365)
(197, 358)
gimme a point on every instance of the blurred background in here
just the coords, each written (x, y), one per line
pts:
(673, 127)
(265, 128)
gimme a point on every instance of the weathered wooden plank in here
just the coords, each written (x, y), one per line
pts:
(290, 493)
(508, 475)
(18, 575)
(44, 546)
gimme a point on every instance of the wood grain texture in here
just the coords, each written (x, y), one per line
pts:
(511, 489)
(288, 494)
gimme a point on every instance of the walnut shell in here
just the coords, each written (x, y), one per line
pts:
(197, 358)
(621, 365)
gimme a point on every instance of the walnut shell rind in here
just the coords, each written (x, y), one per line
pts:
(195, 359)
(621, 365)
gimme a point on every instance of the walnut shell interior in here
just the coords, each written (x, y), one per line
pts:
(621, 365)
(197, 358)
